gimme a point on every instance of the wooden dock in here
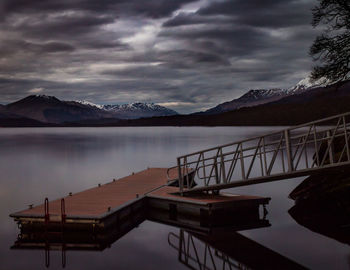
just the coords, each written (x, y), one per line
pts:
(95, 218)
(131, 199)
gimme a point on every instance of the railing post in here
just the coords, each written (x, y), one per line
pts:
(222, 166)
(242, 162)
(181, 180)
(217, 176)
(330, 145)
(288, 151)
(346, 138)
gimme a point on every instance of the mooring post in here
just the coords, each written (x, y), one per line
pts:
(63, 213)
(47, 212)
(63, 221)
(47, 244)
(288, 151)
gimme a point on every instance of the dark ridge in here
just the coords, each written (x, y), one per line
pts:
(310, 105)
(22, 122)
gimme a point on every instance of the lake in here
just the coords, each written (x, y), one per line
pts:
(51, 162)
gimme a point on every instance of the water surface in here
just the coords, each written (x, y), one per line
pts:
(51, 162)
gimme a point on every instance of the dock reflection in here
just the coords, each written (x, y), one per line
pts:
(225, 250)
(198, 248)
(71, 240)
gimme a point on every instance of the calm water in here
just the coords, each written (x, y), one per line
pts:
(50, 162)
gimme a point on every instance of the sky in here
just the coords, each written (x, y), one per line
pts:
(184, 54)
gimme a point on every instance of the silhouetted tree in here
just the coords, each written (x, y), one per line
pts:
(332, 47)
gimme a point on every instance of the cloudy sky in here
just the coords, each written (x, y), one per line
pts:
(188, 55)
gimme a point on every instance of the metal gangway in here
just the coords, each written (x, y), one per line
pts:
(315, 147)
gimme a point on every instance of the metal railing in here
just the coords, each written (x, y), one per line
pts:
(292, 152)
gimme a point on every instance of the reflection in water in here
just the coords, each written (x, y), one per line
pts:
(218, 248)
(66, 241)
(92, 240)
(323, 205)
(225, 250)
(71, 240)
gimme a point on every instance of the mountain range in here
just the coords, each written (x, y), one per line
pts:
(49, 109)
(312, 104)
(263, 96)
(306, 101)
(132, 110)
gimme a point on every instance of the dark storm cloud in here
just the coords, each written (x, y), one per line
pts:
(266, 41)
(73, 19)
(150, 8)
(254, 13)
(82, 29)
(8, 47)
(222, 39)
(194, 18)
(115, 51)
(188, 59)
(240, 28)
(271, 13)
(57, 47)
(160, 72)
(61, 25)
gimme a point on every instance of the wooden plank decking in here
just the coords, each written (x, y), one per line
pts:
(95, 202)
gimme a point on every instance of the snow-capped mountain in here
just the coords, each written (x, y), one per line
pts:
(49, 109)
(138, 110)
(138, 106)
(308, 83)
(88, 103)
(262, 96)
(249, 99)
(132, 110)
